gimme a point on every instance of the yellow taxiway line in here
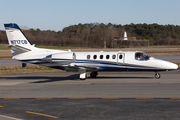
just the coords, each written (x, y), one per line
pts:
(41, 114)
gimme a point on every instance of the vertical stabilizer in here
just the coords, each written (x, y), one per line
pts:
(125, 36)
(17, 40)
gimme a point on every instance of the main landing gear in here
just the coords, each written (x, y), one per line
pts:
(83, 74)
(93, 74)
(157, 75)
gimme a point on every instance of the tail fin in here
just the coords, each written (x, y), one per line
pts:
(17, 40)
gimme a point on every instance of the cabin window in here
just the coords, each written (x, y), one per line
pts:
(107, 56)
(101, 56)
(88, 56)
(114, 57)
(142, 56)
(95, 56)
(120, 56)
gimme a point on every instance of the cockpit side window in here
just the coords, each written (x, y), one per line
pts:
(146, 56)
(142, 56)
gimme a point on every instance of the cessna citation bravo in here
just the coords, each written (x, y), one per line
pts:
(83, 62)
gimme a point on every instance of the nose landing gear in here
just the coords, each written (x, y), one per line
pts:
(157, 75)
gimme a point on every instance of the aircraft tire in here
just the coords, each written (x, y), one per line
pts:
(157, 75)
(94, 74)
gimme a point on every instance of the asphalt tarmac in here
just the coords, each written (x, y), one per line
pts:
(90, 110)
(106, 85)
(112, 95)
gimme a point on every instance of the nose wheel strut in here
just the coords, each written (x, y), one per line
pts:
(157, 75)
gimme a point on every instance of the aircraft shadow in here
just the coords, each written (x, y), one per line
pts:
(46, 78)
(75, 77)
(54, 79)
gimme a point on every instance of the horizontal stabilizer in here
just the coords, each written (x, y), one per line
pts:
(19, 49)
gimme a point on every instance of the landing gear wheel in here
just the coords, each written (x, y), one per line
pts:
(94, 74)
(157, 75)
(82, 78)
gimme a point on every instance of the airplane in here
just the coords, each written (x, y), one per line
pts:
(83, 62)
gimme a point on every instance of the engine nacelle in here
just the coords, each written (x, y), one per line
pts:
(61, 58)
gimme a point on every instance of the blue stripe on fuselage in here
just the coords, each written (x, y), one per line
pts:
(103, 65)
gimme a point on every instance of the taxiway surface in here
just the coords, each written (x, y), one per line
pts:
(90, 110)
(106, 85)
(61, 96)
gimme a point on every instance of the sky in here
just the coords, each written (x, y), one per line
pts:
(58, 14)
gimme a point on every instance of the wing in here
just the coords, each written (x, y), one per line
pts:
(74, 67)
(68, 61)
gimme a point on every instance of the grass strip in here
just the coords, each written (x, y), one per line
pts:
(6, 70)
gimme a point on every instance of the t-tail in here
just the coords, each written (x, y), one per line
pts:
(17, 40)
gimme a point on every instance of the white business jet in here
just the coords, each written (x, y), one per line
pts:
(83, 62)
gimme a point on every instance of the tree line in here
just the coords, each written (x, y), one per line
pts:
(94, 34)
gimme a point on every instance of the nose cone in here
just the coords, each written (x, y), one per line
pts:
(173, 66)
(166, 65)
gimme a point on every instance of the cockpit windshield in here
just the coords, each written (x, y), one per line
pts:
(142, 56)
